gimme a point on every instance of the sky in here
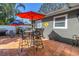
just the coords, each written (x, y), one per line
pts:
(29, 7)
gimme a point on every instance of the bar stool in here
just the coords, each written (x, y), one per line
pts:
(38, 39)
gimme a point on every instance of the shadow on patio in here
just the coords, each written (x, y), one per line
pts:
(54, 36)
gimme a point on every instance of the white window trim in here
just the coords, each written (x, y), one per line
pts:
(66, 22)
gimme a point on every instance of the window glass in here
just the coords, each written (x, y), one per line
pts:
(60, 22)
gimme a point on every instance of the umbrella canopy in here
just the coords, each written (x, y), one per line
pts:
(31, 15)
(16, 23)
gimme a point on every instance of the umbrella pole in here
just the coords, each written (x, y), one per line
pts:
(33, 31)
(33, 39)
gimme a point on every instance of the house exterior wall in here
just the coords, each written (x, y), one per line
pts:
(48, 30)
(73, 27)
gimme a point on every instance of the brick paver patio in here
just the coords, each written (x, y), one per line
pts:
(9, 47)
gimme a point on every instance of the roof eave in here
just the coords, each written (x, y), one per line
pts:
(60, 11)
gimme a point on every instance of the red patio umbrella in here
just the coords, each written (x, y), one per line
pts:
(15, 24)
(33, 16)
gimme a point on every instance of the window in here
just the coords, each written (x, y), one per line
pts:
(60, 22)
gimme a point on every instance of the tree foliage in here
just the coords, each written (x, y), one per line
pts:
(7, 12)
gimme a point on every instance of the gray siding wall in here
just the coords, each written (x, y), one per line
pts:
(73, 27)
(48, 30)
